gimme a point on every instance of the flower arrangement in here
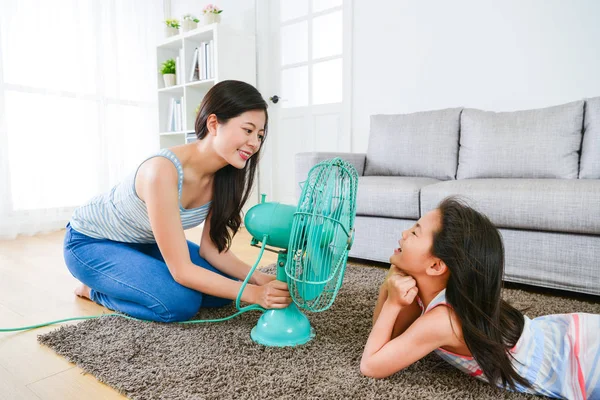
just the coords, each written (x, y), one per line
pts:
(172, 23)
(171, 27)
(211, 9)
(212, 14)
(190, 17)
(189, 22)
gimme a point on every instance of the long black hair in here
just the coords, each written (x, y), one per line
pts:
(471, 246)
(232, 186)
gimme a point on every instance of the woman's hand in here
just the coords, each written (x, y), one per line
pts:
(261, 279)
(402, 289)
(274, 294)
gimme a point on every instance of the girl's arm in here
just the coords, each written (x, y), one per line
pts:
(156, 185)
(383, 357)
(380, 301)
(406, 316)
(228, 262)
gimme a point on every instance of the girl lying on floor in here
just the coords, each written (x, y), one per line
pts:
(443, 294)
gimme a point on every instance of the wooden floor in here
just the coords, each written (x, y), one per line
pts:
(35, 287)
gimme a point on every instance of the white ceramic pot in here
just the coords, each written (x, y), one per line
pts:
(169, 80)
(170, 31)
(211, 18)
(188, 25)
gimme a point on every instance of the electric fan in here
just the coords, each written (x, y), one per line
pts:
(314, 239)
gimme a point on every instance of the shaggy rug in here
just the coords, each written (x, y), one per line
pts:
(219, 361)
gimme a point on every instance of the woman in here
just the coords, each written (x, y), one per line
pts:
(127, 246)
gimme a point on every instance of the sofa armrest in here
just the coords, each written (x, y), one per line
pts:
(305, 161)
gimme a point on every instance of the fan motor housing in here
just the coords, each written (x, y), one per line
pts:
(271, 219)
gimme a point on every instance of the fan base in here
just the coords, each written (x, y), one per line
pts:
(282, 328)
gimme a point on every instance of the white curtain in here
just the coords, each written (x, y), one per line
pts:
(78, 106)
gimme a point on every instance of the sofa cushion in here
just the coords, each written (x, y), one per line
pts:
(590, 148)
(541, 143)
(419, 144)
(390, 196)
(558, 205)
(305, 161)
(552, 259)
(376, 238)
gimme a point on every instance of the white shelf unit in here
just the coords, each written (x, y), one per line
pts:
(234, 57)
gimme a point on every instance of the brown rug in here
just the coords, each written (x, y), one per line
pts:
(220, 361)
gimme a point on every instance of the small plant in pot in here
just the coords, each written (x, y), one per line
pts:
(189, 22)
(171, 27)
(212, 14)
(168, 72)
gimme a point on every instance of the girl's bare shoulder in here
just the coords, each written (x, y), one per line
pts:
(449, 323)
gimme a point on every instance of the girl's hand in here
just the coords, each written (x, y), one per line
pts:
(261, 279)
(394, 270)
(402, 289)
(274, 294)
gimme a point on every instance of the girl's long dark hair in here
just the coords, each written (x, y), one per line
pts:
(471, 246)
(232, 186)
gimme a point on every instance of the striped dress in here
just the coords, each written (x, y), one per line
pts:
(120, 215)
(558, 354)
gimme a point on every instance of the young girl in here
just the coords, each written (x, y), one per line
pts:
(127, 246)
(442, 294)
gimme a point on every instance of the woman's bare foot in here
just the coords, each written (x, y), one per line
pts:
(83, 291)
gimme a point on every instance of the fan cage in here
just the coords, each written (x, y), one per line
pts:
(322, 232)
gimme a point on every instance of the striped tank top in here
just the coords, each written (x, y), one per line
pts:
(120, 215)
(558, 354)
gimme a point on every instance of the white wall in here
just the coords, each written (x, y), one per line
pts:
(495, 55)
(237, 14)
(498, 55)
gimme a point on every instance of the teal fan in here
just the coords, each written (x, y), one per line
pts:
(314, 239)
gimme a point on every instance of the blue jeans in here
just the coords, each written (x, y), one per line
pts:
(134, 279)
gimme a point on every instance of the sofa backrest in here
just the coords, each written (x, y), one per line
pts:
(589, 167)
(542, 143)
(423, 144)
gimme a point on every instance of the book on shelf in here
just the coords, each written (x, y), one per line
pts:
(170, 122)
(203, 62)
(194, 69)
(179, 68)
(175, 117)
(211, 60)
(190, 137)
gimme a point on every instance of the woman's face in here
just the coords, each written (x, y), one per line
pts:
(413, 255)
(241, 137)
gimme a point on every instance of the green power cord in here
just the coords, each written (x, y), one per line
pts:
(253, 307)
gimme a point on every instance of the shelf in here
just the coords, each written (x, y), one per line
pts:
(203, 32)
(175, 133)
(172, 42)
(178, 88)
(228, 47)
(174, 89)
(205, 82)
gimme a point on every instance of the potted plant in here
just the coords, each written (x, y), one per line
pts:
(172, 27)
(212, 14)
(189, 22)
(168, 72)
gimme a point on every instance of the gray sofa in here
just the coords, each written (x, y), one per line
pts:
(535, 173)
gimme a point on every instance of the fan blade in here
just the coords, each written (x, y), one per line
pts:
(315, 275)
